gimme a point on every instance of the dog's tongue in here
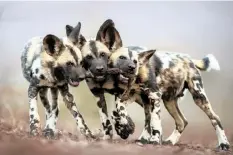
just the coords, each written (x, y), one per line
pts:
(74, 83)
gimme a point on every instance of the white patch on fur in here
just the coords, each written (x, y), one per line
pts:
(213, 63)
(153, 95)
(50, 122)
(222, 139)
(165, 59)
(122, 104)
(145, 135)
(34, 49)
(174, 137)
(156, 124)
(36, 65)
(103, 118)
(34, 112)
(201, 90)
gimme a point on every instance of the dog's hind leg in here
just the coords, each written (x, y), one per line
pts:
(70, 104)
(34, 117)
(180, 121)
(196, 88)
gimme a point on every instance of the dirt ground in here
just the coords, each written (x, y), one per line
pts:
(196, 28)
(15, 140)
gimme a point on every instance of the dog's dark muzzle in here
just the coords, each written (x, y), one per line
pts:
(76, 75)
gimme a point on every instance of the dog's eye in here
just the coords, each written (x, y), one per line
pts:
(122, 57)
(89, 57)
(102, 54)
(70, 63)
(135, 61)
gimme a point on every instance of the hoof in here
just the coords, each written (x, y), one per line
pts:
(48, 133)
(223, 146)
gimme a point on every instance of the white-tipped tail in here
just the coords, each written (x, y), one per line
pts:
(208, 63)
(213, 62)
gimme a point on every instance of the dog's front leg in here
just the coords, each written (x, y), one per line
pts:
(103, 112)
(124, 125)
(70, 104)
(152, 131)
(155, 121)
(34, 117)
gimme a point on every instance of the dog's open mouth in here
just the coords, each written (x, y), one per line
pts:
(99, 77)
(73, 83)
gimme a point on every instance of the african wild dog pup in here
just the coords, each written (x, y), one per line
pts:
(53, 63)
(96, 53)
(173, 73)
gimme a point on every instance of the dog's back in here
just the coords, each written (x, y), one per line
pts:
(30, 55)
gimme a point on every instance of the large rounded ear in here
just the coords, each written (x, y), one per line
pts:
(52, 44)
(73, 33)
(69, 29)
(145, 56)
(109, 35)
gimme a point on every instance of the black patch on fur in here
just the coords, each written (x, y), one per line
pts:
(42, 77)
(72, 52)
(37, 70)
(59, 73)
(32, 91)
(152, 84)
(171, 64)
(206, 61)
(154, 132)
(169, 94)
(31, 116)
(191, 65)
(158, 65)
(93, 48)
(122, 108)
(56, 113)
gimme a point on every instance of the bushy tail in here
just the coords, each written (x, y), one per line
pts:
(207, 63)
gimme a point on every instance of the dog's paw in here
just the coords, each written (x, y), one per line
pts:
(49, 133)
(224, 146)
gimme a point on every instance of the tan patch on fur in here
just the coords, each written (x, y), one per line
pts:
(119, 52)
(143, 73)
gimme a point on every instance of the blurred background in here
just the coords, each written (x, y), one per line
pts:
(196, 28)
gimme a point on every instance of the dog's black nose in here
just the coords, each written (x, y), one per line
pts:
(131, 67)
(100, 68)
